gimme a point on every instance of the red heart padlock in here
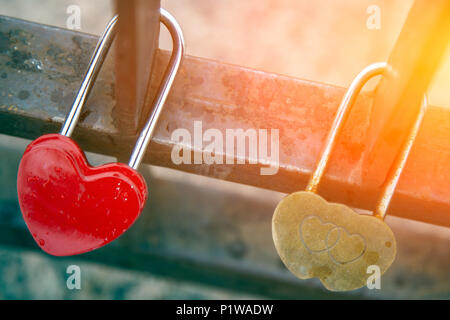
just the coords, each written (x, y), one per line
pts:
(69, 206)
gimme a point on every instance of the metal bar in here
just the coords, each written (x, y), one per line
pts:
(34, 100)
(415, 58)
(136, 44)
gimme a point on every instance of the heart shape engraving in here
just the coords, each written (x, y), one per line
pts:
(314, 234)
(346, 247)
(330, 241)
(71, 207)
(342, 247)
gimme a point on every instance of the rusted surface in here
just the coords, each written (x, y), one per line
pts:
(136, 44)
(417, 55)
(223, 97)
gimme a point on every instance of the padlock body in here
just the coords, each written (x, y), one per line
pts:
(71, 207)
(318, 239)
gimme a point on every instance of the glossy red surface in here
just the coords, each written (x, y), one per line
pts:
(71, 207)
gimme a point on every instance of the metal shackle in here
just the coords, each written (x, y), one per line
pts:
(341, 116)
(94, 67)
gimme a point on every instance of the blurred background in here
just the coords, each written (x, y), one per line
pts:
(326, 41)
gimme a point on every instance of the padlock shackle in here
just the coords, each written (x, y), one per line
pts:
(341, 116)
(161, 96)
(96, 62)
(398, 165)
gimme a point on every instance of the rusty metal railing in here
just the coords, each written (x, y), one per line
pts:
(42, 67)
